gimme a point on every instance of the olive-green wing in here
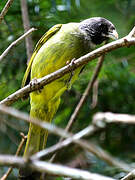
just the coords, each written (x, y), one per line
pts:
(43, 39)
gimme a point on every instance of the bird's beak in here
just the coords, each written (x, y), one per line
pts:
(113, 35)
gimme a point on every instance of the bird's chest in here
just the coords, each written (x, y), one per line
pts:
(55, 54)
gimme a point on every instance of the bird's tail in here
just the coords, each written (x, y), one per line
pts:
(37, 137)
(36, 141)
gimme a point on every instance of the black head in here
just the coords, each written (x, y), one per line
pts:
(98, 29)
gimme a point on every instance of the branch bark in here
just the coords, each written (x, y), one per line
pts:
(95, 95)
(87, 146)
(129, 176)
(123, 42)
(100, 119)
(25, 117)
(5, 9)
(70, 139)
(15, 42)
(90, 130)
(53, 169)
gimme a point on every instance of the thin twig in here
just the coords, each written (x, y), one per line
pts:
(5, 176)
(105, 156)
(83, 99)
(86, 92)
(95, 95)
(132, 33)
(129, 176)
(5, 9)
(21, 143)
(74, 138)
(126, 41)
(87, 146)
(13, 125)
(53, 169)
(15, 42)
(26, 25)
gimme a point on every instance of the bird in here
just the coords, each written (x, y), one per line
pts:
(57, 47)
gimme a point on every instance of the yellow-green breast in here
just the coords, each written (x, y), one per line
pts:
(61, 48)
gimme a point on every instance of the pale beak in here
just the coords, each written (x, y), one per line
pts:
(113, 35)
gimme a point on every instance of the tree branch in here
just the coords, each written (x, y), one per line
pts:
(86, 92)
(95, 95)
(126, 41)
(129, 176)
(87, 146)
(15, 42)
(71, 138)
(5, 9)
(132, 33)
(90, 130)
(83, 99)
(53, 169)
(25, 117)
(100, 119)
(26, 25)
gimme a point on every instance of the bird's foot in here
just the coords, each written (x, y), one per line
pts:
(34, 82)
(127, 43)
(71, 74)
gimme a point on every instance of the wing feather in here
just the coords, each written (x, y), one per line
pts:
(43, 39)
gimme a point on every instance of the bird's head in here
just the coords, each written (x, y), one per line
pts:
(98, 29)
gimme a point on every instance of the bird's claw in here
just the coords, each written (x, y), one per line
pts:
(72, 73)
(126, 43)
(34, 82)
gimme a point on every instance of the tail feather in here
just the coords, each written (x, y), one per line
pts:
(33, 140)
(43, 139)
(37, 137)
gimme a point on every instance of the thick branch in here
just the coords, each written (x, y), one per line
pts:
(126, 41)
(15, 42)
(50, 168)
(5, 9)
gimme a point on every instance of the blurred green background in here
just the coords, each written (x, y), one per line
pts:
(116, 91)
